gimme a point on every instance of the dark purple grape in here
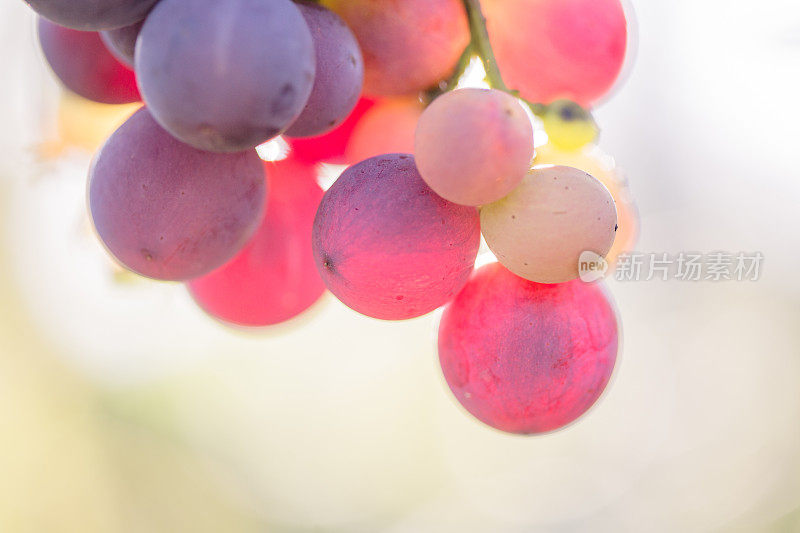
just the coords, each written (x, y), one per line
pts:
(84, 65)
(92, 14)
(340, 73)
(389, 247)
(122, 41)
(169, 211)
(225, 76)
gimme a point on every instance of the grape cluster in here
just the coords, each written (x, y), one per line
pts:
(179, 192)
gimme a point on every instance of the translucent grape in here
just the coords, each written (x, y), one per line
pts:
(568, 125)
(273, 278)
(389, 247)
(526, 357)
(92, 14)
(225, 76)
(84, 65)
(385, 129)
(330, 147)
(339, 77)
(473, 146)
(603, 168)
(551, 49)
(408, 46)
(122, 41)
(169, 211)
(540, 230)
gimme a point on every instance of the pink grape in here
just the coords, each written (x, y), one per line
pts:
(122, 41)
(225, 76)
(389, 247)
(552, 49)
(473, 146)
(540, 230)
(92, 14)
(169, 211)
(340, 73)
(408, 46)
(330, 147)
(84, 65)
(526, 357)
(274, 278)
(387, 128)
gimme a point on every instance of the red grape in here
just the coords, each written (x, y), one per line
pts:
(339, 77)
(387, 128)
(273, 278)
(387, 245)
(551, 49)
(330, 147)
(122, 41)
(525, 357)
(225, 76)
(85, 66)
(169, 211)
(92, 14)
(408, 46)
(473, 146)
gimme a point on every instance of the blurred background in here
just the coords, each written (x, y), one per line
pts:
(124, 408)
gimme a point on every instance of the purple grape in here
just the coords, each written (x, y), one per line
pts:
(122, 41)
(92, 14)
(340, 73)
(387, 246)
(169, 211)
(225, 76)
(84, 65)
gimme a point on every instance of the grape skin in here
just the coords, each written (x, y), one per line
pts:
(387, 246)
(540, 230)
(525, 357)
(473, 146)
(592, 162)
(551, 49)
(387, 128)
(122, 41)
(169, 211)
(274, 278)
(339, 73)
(408, 46)
(330, 147)
(92, 14)
(225, 76)
(84, 65)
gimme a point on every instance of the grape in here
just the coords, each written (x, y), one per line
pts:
(340, 73)
(386, 128)
(526, 357)
(274, 278)
(122, 41)
(387, 246)
(225, 76)
(551, 49)
(84, 65)
(408, 46)
(92, 14)
(568, 125)
(473, 146)
(168, 211)
(540, 230)
(330, 147)
(602, 168)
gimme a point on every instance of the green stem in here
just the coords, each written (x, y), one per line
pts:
(481, 45)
